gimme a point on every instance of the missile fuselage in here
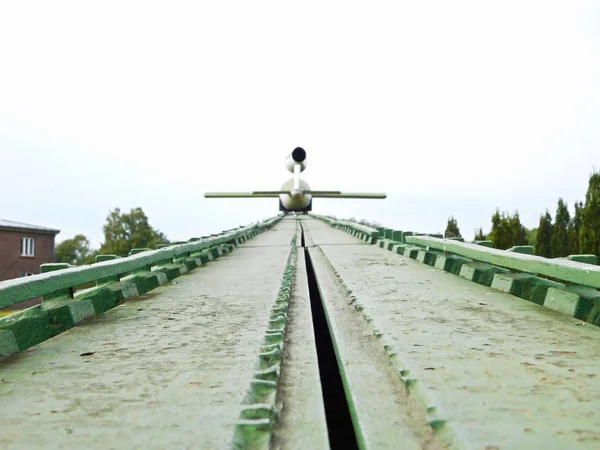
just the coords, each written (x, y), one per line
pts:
(296, 200)
(295, 195)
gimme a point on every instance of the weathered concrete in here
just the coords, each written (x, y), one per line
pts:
(302, 422)
(166, 370)
(429, 359)
(275, 235)
(384, 416)
(21, 289)
(495, 371)
(317, 232)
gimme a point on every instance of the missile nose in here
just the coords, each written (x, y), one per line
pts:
(299, 154)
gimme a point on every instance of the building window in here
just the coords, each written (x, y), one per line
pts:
(26, 274)
(27, 247)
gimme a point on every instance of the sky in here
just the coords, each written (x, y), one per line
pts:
(451, 108)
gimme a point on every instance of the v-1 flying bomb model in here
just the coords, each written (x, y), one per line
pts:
(295, 195)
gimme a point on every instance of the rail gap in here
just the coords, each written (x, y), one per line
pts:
(337, 411)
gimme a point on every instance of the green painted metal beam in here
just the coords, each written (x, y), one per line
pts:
(571, 271)
(21, 289)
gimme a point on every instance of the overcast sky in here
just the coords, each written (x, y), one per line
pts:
(449, 107)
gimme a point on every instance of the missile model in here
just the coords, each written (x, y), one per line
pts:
(295, 195)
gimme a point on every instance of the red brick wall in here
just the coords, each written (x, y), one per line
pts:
(12, 264)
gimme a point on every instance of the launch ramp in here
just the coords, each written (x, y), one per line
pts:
(301, 332)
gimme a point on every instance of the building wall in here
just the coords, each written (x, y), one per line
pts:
(12, 264)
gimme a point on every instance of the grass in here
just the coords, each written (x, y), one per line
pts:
(5, 313)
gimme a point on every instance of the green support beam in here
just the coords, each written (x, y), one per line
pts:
(560, 269)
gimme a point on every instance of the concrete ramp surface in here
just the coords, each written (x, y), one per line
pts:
(306, 337)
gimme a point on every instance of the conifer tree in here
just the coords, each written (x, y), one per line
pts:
(574, 229)
(589, 235)
(543, 245)
(501, 233)
(479, 236)
(496, 232)
(518, 231)
(532, 237)
(507, 231)
(560, 239)
(452, 228)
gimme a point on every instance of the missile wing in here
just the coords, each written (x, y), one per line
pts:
(258, 194)
(338, 194)
(296, 194)
(314, 194)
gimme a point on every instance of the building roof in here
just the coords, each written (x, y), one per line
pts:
(26, 226)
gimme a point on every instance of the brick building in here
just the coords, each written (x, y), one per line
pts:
(23, 248)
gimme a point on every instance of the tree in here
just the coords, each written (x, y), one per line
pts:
(518, 231)
(507, 231)
(496, 227)
(122, 232)
(589, 234)
(560, 239)
(544, 236)
(532, 237)
(479, 236)
(574, 229)
(501, 234)
(452, 228)
(75, 251)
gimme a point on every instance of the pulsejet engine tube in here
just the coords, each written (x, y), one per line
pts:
(297, 157)
(295, 194)
(296, 163)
